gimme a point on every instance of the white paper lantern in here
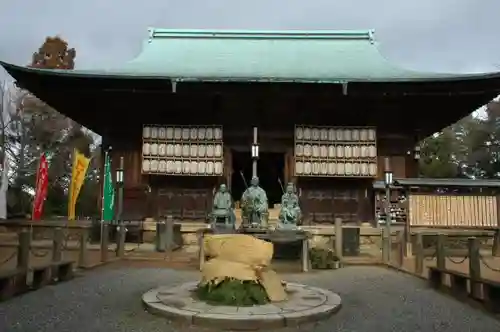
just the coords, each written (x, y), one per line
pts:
(332, 135)
(315, 134)
(177, 150)
(348, 168)
(162, 166)
(218, 133)
(185, 150)
(185, 134)
(162, 134)
(169, 133)
(218, 151)
(347, 135)
(299, 167)
(210, 168)
(146, 166)
(307, 134)
(201, 150)
(315, 151)
(372, 151)
(210, 133)
(299, 133)
(355, 135)
(218, 167)
(323, 151)
(299, 150)
(210, 151)
(154, 133)
(315, 168)
(146, 132)
(324, 168)
(364, 151)
(332, 153)
(364, 169)
(307, 168)
(340, 151)
(177, 133)
(170, 167)
(146, 149)
(340, 169)
(193, 150)
(339, 135)
(332, 168)
(170, 150)
(162, 149)
(348, 151)
(307, 150)
(202, 168)
(193, 134)
(201, 133)
(178, 167)
(373, 169)
(371, 135)
(193, 167)
(356, 169)
(356, 151)
(323, 134)
(154, 149)
(154, 165)
(363, 135)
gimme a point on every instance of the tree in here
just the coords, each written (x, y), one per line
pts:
(39, 128)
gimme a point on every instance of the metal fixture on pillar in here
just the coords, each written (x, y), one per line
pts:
(388, 181)
(416, 152)
(120, 236)
(255, 153)
(119, 183)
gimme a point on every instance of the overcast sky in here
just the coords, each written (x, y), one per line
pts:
(437, 35)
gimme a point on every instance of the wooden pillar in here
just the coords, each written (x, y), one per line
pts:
(441, 251)
(474, 268)
(496, 240)
(338, 237)
(419, 254)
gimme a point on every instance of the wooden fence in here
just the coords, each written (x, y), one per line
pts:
(30, 266)
(465, 211)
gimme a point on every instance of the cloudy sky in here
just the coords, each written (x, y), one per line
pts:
(437, 35)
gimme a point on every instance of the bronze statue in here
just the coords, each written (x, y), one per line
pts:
(290, 212)
(223, 208)
(254, 205)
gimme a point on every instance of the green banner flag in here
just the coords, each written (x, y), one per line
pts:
(108, 192)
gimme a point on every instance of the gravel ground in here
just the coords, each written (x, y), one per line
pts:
(109, 299)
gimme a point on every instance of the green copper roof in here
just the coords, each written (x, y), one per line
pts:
(286, 56)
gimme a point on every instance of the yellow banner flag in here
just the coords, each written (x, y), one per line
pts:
(80, 166)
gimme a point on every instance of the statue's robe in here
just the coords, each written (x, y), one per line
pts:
(222, 206)
(255, 202)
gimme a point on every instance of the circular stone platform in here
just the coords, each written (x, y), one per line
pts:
(304, 304)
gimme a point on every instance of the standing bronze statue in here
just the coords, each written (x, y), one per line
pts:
(254, 205)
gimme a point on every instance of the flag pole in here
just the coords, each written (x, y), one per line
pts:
(36, 186)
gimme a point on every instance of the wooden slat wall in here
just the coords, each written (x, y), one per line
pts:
(453, 211)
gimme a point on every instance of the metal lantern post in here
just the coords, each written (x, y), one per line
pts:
(255, 153)
(388, 181)
(119, 183)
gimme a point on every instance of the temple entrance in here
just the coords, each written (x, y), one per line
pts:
(270, 167)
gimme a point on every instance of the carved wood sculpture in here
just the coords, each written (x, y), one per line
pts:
(54, 54)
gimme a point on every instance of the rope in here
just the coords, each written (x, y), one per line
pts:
(39, 254)
(458, 261)
(481, 258)
(14, 254)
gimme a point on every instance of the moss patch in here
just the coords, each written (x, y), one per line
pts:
(233, 292)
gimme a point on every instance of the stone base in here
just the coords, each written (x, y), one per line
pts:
(304, 304)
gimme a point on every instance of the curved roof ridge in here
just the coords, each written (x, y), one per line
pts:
(158, 33)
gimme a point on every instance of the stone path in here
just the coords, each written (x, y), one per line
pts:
(109, 299)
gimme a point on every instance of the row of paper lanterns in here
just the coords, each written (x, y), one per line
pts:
(336, 169)
(154, 166)
(182, 133)
(335, 134)
(335, 151)
(182, 150)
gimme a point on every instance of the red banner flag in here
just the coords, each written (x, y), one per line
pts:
(42, 182)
